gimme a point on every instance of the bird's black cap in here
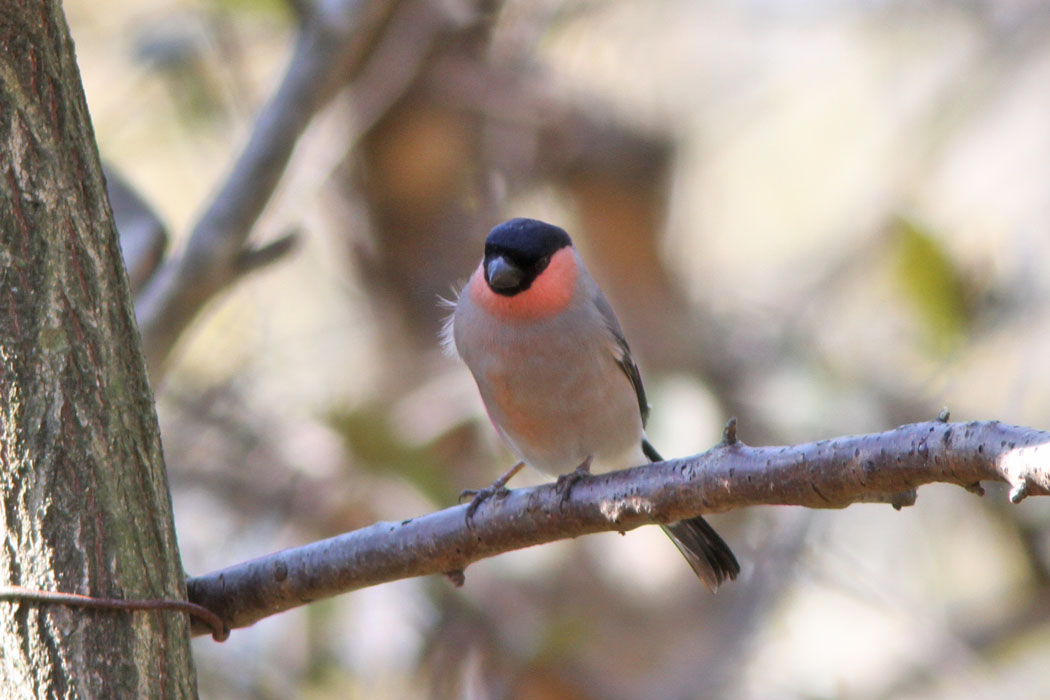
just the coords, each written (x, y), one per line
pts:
(518, 250)
(526, 240)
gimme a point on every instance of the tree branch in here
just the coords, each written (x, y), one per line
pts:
(834, 473)
(332, 46)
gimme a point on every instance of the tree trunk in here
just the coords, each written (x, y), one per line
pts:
(84, 501)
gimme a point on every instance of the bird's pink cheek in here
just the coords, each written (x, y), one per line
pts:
(548, 295)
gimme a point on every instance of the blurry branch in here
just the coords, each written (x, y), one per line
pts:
(260, 256)
(334, 41)
(143, 237)
(884, 467)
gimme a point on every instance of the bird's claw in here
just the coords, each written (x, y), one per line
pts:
(479, 496)
(498, 489)
(566, 482)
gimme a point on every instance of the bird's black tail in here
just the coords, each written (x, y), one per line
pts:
(707, 553)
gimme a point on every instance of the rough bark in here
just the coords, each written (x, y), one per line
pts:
(84, 502)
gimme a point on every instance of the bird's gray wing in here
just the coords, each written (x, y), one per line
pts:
(622, 353)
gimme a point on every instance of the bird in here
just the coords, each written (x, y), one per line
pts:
(556, 375)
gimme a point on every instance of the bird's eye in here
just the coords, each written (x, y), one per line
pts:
(542, 263)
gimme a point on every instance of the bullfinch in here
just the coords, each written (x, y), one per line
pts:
(556, 374)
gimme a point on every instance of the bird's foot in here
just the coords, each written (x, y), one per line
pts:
(479, 496)
(565, 482)
(498, 489)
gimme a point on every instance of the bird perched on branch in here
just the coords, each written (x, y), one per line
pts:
(556, 374)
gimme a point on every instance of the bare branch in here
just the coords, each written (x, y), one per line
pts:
(834, 473)
(331, 47)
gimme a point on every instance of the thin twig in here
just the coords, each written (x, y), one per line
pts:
(251, 259)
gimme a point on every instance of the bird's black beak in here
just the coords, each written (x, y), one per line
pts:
(502, 273)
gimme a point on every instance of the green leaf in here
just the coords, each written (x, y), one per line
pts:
(932, 284)
(375, 445)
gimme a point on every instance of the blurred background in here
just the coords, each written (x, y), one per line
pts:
(820, 216)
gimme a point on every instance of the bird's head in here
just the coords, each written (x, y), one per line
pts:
(529, 269)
